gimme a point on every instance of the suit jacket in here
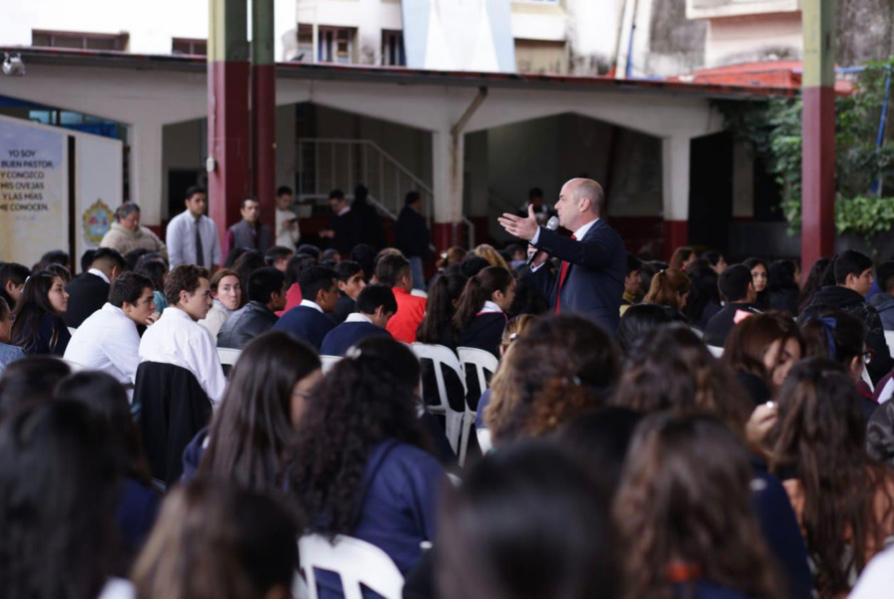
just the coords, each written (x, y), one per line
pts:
(307, 324)
(258, 237)
(595, 280)
(341, 338)
(88, 293)
(245, 324)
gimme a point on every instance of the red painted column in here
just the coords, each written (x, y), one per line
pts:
(818, 134)
(228, 130)
(442, 236)
(676, 234)
(263, 105)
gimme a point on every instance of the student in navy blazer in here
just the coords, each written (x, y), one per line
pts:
(308, 321)
(375, 306)
(481, 311)
(594, 261)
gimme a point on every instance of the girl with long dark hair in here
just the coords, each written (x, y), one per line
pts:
(481, 311)
(38, 326)
(760, 279)
(685, 516)
(252, 432)
(360, 466)
(57, 503)
(443, 294)
(844, 500)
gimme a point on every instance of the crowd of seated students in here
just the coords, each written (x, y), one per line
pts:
(733, 437)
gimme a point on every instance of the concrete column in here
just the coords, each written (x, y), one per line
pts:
(229, 141)
(146, 175)
(675, 191)
(447, 184)
(818, 133)
(263, 109)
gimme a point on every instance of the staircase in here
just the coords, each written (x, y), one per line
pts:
(328, 163)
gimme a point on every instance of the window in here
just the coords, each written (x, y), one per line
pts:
(305, 51)
(335, 45)
(393, 48)
(192, 46)
(80, 40)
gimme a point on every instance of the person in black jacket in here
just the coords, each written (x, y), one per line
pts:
(375, 306)
(343, 225)
(783, 286)
(412, 237)
(309, 320)
(481, 311)
(853, 279)
(90, 290)
(351, 280)
(737, 289)
(266, 295)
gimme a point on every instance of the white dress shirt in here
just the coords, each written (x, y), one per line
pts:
(307, 303)
(177, 339)
(215, 318)
(99, 273)
(181, 240)
(356, 316)
(108, 341)
(287, 230)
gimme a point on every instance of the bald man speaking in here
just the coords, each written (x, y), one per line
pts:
(590, 281)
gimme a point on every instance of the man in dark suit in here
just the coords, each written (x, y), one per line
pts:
(590, 281)
(90, 290)
(343, 225)
(375, 306)
(308, 321)
(411, 236)
(737, 290)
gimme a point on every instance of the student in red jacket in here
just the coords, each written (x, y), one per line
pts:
(394, 270)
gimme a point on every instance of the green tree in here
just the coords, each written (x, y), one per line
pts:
(774, 130)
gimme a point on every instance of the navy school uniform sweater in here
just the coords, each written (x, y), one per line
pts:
(306, 323)
(338, 340)
(485, 331)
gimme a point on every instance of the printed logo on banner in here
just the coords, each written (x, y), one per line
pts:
(97, 220)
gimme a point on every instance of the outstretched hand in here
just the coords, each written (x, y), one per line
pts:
(522, 227)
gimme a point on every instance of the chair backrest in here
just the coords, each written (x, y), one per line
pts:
(444, 360)
(715, 351)
(889, 339)
(355, 561)
(483, 362)
(228, 356)
(328, 361)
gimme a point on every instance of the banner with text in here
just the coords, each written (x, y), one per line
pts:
(33, 191)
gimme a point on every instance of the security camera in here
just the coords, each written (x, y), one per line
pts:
(13, 65)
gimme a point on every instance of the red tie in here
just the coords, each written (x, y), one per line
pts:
(563, 274)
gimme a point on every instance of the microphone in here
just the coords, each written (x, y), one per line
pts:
(552, 224)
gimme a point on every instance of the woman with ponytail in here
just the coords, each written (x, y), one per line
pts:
(669, 287)
(481, 312)
(361, 466)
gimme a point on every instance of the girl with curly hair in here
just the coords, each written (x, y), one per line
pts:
(361, 467)
(685, 516)
(561, 366)
(843, 499)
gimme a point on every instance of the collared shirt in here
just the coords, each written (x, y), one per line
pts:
(578, 234)
(343, 211)
(490, 308)
(177, 339)
(357, 317)
(99, 273)
(181, 240)
(288, 232)
(307, 303)
(108, 341)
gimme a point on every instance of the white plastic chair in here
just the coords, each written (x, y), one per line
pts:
(483, 363)
(356, 562)
(228, 356)
(484, 441)
(444, 359)
(328, 361)
(889, 339)
(715, 351)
